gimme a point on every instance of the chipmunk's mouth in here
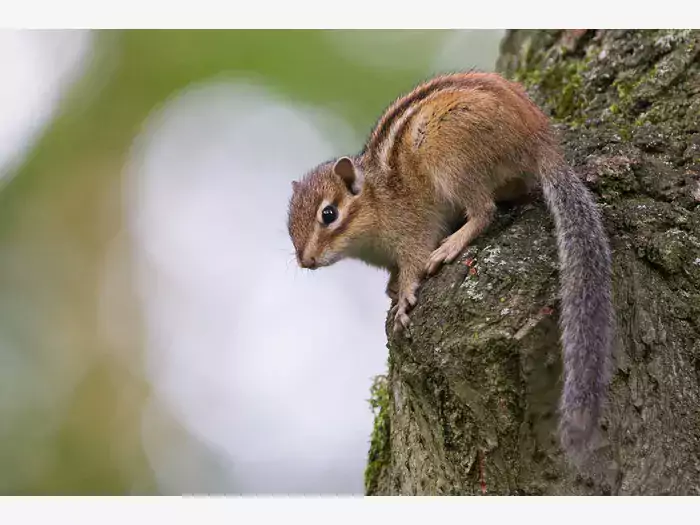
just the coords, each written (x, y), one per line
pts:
(314, 263)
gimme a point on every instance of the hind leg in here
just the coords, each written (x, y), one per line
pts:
(518, 190)
(480, 216)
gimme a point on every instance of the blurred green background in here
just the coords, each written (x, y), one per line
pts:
(73, 395)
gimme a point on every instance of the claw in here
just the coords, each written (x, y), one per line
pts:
(407, 300)
(401, 321)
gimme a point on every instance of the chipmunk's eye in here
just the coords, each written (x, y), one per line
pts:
(329, 214)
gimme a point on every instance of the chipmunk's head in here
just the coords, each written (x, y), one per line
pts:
(326, 213)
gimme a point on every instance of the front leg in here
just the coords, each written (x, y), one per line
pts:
(392, 287)
(411, 273)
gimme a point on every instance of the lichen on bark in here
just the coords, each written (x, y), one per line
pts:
(471, 397)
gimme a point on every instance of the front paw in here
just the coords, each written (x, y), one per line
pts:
(401, 321)
(405, 302)
(449, 249)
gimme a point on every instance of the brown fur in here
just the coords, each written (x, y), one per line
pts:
(448, 149)
(445, 152)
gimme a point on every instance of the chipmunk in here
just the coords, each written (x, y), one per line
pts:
(448, 151)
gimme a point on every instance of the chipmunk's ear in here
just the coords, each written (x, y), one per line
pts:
(345, 169)
(294, 185)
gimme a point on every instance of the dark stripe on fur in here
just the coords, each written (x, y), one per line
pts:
(400, 105)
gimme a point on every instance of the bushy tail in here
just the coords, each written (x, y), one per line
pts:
(586, 308)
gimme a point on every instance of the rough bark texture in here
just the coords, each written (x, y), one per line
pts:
(469, 404)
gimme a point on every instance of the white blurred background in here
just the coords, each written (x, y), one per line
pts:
(156, 335)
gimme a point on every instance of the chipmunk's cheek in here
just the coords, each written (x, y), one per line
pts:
(336, 251)
(326, 259)
(330, 256)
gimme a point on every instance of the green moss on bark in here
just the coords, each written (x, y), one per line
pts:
(379, 453)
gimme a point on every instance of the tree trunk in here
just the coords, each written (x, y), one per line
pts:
(469, 403)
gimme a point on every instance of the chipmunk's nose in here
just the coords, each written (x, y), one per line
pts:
(309, 263)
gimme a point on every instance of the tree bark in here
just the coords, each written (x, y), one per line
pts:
(469, 402)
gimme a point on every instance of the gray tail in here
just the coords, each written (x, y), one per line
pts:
(586, 318)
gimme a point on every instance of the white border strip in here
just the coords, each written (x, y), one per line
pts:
(310, 510)
(365, 14)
